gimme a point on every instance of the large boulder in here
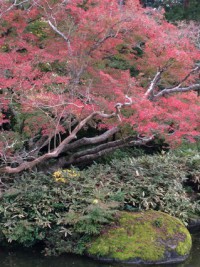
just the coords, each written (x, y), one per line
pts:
(142, 237)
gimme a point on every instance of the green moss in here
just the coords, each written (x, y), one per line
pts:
(184, 247)
(158, 222)
(142, 236)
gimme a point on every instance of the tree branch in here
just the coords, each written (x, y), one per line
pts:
(61, 147)
(15, 4)
(101, 150)
(91, 141)
(58, 32)
(93, 156)
(177, 89)
(150, 94)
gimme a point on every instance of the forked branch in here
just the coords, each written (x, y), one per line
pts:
(179, 88)
(62, 146)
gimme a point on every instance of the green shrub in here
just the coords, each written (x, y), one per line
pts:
(65, 209)
(121, 154)
(190, 152)
(38, 207)
(147, 182)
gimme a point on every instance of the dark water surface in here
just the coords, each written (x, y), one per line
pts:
(32, 259)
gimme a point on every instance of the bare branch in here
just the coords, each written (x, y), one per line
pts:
(59, 105)
(142, 140)
(101, 150)
(150, 93)
(188, 75)
(61, 147)
(15, 4)
(58, 32)
(177, 89)
(95, 150)
(111, 33)
(91, 141)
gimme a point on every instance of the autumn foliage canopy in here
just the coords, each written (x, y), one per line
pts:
(70, 67)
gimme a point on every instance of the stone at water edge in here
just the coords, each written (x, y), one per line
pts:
(143, 237)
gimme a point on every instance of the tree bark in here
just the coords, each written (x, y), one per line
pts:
(64, 145)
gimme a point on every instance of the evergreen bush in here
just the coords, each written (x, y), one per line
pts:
(65, 209)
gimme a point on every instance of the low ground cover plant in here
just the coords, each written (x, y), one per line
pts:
(64, 209)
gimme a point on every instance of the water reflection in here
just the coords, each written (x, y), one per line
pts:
(29, 259)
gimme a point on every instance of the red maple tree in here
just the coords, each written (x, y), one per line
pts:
(114, 66)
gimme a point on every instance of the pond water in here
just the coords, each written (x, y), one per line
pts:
(33, 259)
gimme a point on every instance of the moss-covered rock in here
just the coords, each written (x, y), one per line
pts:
(143, 237)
